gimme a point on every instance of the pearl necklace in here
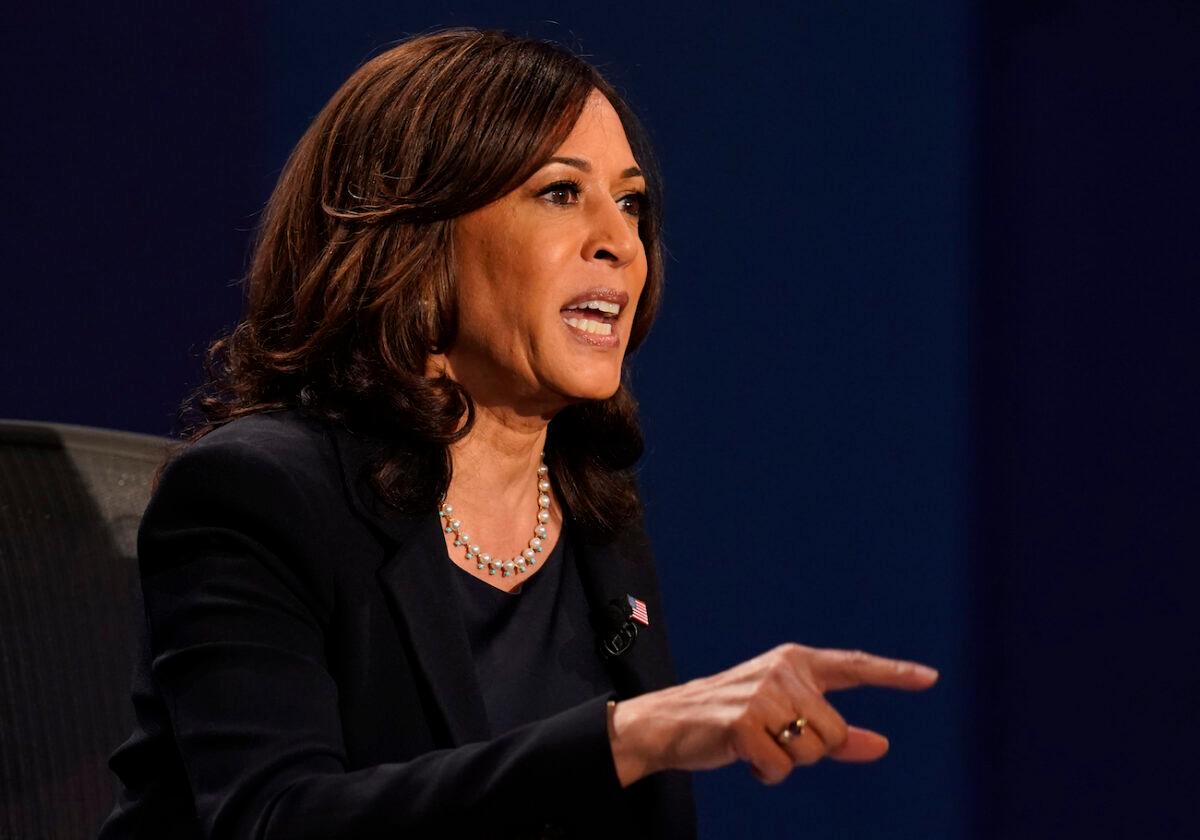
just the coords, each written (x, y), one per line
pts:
(481, 558)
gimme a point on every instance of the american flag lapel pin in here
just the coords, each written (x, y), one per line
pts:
(639, 613)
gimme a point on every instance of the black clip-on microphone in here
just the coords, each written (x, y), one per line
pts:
(615, 630)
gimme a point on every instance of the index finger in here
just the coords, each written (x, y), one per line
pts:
(838, 669)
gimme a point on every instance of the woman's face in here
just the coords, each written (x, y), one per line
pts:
(549, 275)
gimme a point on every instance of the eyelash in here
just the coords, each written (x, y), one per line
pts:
(576, 187)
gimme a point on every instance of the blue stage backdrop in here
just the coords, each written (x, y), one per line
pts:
(1085, 418)
(921, 327)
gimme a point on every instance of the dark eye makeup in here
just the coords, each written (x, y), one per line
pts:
(572, 188)
(567, 185)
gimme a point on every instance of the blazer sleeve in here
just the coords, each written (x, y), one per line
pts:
(235, 627)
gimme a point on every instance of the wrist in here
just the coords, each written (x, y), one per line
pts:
(632, 754)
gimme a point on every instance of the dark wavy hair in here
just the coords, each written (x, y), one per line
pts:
(351, 282)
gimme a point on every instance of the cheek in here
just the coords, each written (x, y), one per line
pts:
(533, 286)
(505, 309)
(484, 284)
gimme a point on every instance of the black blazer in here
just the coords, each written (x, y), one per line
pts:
(305, 672)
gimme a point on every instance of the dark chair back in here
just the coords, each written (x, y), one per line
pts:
(71, 499)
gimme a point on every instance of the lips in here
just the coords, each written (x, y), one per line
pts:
(591, 316)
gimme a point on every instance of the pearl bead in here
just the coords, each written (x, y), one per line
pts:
(523, 560)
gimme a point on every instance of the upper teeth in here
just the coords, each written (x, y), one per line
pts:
(602, 305)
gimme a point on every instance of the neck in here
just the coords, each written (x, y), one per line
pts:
(493, 487)
(496, 463)
(493, 483)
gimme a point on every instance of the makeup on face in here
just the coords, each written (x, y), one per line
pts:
(549, 275)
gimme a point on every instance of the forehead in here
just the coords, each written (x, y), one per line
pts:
(598, 134)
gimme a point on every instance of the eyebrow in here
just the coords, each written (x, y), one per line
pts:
(584, 166)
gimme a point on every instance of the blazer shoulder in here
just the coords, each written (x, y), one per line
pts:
(281, 442)
(264, 486)
(284, 433)
(274, 467)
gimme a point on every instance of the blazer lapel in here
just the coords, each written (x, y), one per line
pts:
(417, 580)
(611, 570)
(420, 590)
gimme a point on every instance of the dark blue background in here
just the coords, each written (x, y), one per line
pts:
(930, 332)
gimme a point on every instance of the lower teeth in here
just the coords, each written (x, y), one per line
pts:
(596, 328)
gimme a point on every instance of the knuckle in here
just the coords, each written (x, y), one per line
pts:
(787, 653)
(858, 657)
(777, 672)
(794, 653)
(794, 661)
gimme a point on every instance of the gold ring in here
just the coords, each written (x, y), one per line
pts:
(793, 730)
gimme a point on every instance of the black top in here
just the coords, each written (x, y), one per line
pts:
(535, 654)
(534, 650)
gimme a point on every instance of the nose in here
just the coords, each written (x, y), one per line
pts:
(613, 236)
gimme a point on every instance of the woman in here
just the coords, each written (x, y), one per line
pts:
(387, 585)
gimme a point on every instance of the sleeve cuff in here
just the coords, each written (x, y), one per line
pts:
(581, 747)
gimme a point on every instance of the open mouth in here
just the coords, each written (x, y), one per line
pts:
(595, 312)
(594, 316)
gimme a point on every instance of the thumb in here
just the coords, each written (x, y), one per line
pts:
(861, 745)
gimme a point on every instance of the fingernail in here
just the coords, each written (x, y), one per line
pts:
(926, 671)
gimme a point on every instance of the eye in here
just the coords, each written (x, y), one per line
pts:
(634, 203)
(561, 192)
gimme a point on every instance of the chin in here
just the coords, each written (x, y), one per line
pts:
(593, 388)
